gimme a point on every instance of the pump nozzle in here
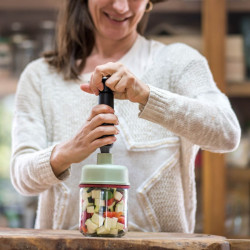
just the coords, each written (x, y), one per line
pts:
(106, 96)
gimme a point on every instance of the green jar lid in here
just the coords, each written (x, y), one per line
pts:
(104, 172)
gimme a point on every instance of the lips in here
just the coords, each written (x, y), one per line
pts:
(116, 18)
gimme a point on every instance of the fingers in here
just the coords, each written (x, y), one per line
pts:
(124, 84)
(104, 118)
(100, 109)
(114, 82)
(86, 88)
(100, 131)
(102, 142)
(95, 130)
(101, 114)
(107, 69)
(88, 138)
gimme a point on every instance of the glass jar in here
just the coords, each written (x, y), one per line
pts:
(103, 210)
(104, 199)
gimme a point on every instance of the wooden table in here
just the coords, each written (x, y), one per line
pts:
(31, 239)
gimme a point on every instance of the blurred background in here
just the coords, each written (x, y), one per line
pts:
(27, 28)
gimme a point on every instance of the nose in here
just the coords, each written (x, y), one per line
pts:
(121, 6)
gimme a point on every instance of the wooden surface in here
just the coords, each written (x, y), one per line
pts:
(239, 244)
(213, 165)
(62, 239)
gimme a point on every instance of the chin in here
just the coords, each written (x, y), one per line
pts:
(115, 35)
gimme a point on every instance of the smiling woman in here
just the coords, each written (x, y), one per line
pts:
(170, 108)
(82, 23)
(117, 20)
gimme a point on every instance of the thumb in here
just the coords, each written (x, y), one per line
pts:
(85, 87)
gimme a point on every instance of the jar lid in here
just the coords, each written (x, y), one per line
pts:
(104, 172)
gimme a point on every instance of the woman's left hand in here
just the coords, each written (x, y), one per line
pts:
(123, 83)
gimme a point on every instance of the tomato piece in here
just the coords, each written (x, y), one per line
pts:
(108, 214)
(84, 229)
(112, 214)
(118, 214)
(121, 219)
(110, 201)
(85, 216)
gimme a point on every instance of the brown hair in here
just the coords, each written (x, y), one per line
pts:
(75, 38)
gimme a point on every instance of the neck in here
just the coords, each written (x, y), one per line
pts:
(108, 48)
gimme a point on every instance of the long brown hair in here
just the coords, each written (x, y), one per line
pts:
(75, 38)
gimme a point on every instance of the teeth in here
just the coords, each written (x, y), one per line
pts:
(117, 18)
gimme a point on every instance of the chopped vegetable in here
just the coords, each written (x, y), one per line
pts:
(111, 207)
(91, 226)
(97, 219)
(90, 199)
(107, 195)
(103, 211)
(102, 230)
(114, 231)
(84, 229)
(118, 196)
(119, 207)
(90, 209)
(112, 214)
(99, 202)
(96, 194)
(121, 219)
(90, 189)
(110, 201)
(120, 226)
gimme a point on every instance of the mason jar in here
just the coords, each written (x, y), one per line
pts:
(104, 198)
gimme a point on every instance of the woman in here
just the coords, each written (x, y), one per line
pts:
(171, 107)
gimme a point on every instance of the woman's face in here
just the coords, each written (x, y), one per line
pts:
(116, 19)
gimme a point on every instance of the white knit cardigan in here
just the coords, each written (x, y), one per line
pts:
(158, 142)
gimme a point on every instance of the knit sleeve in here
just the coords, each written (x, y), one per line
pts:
(31, 172)
(194, 108)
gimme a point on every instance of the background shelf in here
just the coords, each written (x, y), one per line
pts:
(28, 4)
(238, 89)
(177, 6)
(238, 175)
(7, 85)
(195, 6)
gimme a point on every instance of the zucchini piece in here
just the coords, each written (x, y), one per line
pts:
(90, 189)
(90, 200)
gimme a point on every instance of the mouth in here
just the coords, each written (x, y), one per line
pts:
(116, 18)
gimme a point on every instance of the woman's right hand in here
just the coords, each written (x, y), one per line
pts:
(87, 140)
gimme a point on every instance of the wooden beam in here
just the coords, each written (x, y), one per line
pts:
(213, 165)
(29, 5)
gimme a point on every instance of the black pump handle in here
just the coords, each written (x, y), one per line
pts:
(106, 96)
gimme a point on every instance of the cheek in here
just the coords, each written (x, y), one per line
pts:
(139, 12)
(137, 19)
(91, 12)
(93, 7)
